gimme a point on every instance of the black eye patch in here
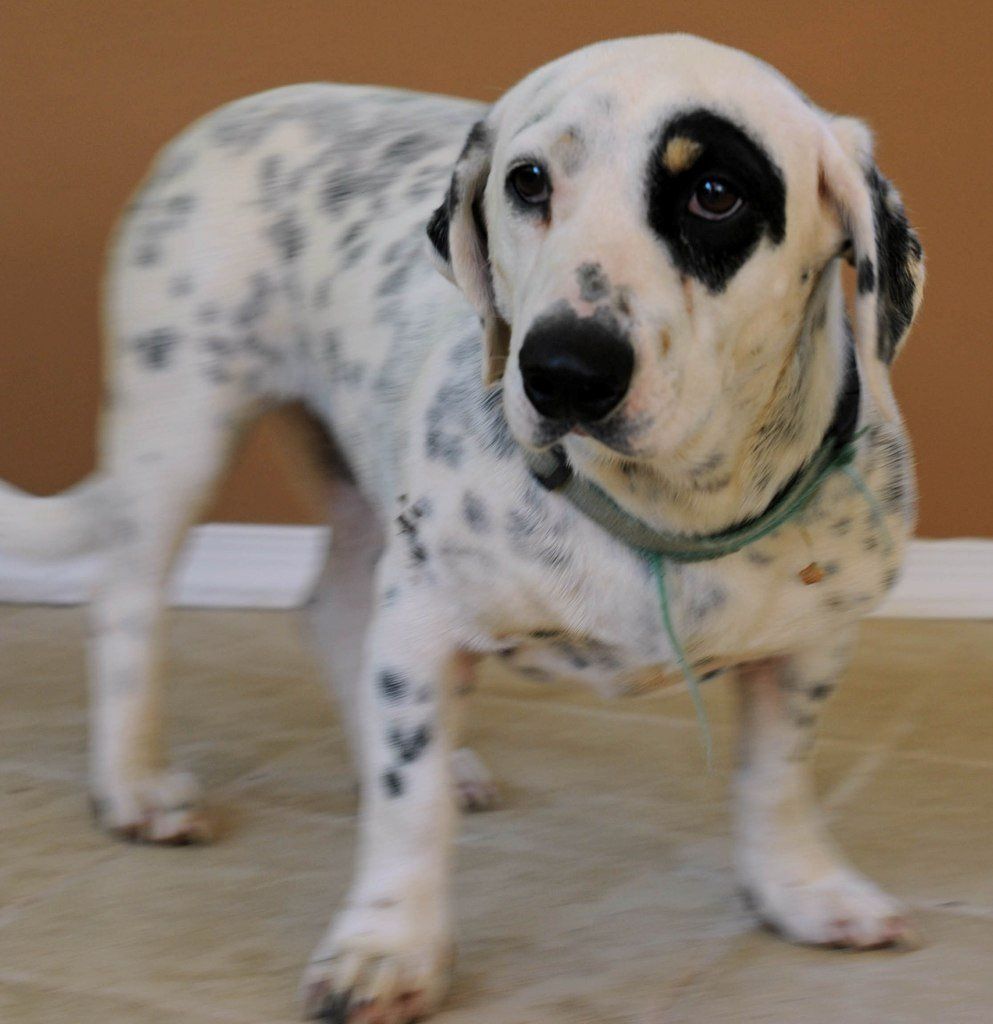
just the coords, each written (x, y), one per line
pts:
(692, 148)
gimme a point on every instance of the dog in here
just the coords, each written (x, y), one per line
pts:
(646, 240)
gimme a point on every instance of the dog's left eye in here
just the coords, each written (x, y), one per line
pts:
(714, 198)
(530, 183)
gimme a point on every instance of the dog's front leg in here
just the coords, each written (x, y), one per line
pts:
(388, 953)
(787, 864)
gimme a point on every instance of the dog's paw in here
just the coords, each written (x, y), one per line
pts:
(839, 909)
(369, 971)
(475, 787)
(164, 809)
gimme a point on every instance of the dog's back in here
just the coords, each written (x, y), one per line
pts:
(269, 255)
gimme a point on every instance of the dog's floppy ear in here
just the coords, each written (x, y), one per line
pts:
(457, 230)
(884, 249)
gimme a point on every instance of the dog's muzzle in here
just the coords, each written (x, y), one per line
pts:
(575, 369)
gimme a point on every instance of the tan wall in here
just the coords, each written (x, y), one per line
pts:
(89, 89)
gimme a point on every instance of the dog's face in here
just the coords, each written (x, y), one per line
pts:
(645, 226)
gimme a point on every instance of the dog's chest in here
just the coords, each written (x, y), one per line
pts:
(563, 600)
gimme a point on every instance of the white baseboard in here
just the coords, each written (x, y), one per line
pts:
(944, 579)
(223, 565)
(230, 565)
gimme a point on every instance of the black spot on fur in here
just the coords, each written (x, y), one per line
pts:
(474, 513)
(593, 282)
(394, 281)
(841, 527)
(713, 251)
(710, 600)
(446, 448)
(181, 205)
(353, 234)
(409, 743)
(409, 148)
(289, 237)
(256, 305)
(422, 508)
(576, 658)
(408, 527)
(218, 351)
(354, 253)
(707, 466)
(339, 187)
(147, 255)
(393, 783)
(820, 691)
(270, 175)
(393, 686)
(155, 347)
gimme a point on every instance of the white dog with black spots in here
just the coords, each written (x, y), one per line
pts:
(646, 240)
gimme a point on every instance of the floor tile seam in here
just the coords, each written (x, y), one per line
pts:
(271, 808)
(242, 784)
(947, 760)
(866, 767)
(229, 667)
(38, 772)
(972, 912)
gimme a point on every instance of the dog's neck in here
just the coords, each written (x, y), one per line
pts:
(782, 427)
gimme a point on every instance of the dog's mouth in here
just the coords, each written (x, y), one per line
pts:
(616, 433)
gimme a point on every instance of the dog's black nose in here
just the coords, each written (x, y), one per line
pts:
(575, 367)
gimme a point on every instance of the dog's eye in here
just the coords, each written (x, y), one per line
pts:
(714, 198)
(530, 183)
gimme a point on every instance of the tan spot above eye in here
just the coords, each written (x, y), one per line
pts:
(680, 153)
(568, 150)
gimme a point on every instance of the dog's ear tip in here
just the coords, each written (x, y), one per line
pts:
(854, 136)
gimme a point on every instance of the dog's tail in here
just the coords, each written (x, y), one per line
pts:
(75, 522)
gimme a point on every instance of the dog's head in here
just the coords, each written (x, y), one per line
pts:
(645, 226)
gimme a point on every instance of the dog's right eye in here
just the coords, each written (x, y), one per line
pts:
(530, 184)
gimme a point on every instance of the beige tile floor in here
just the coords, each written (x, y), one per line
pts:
(600, 892)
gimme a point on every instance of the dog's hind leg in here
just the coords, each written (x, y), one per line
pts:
(341, 605)
(163, 451)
